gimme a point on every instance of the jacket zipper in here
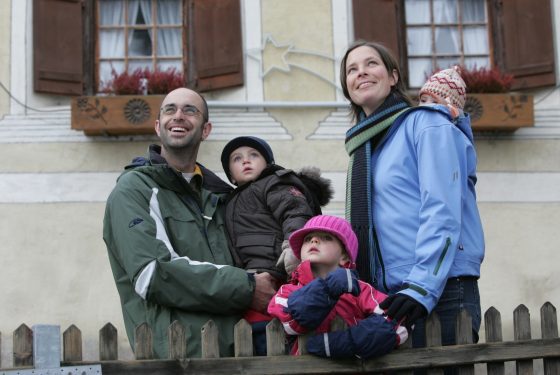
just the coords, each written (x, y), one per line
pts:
(188, 198)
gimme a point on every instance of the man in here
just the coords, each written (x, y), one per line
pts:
(164, 232)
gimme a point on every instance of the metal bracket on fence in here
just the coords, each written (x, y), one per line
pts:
(46, 355)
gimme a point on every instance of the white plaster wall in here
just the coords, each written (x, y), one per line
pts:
(5, 22)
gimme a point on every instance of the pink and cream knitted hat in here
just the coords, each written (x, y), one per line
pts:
(447, 83)
(334, 225)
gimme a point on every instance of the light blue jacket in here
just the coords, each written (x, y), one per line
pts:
(424, 205)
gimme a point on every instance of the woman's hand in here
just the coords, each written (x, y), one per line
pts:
(403, 308)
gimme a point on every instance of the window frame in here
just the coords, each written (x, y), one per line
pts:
(126, 27)
(525, 52)
(461, 56)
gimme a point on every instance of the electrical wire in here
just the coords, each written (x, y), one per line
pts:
(547, 94)
(25, 105)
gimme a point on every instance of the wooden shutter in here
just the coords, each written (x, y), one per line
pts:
(215, 51)
(57, 46)
(523, 41)
(381, 21)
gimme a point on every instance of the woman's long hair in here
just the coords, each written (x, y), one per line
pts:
(391, 65)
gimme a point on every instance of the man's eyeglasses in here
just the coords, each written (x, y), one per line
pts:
(188, 110)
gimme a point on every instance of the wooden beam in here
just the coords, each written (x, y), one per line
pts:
(402, 359)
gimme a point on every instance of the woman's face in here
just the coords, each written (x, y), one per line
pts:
(367, 78)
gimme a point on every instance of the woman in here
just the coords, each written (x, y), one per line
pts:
(411, 197)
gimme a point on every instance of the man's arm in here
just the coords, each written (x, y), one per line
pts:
(135, 235)
(264, 291)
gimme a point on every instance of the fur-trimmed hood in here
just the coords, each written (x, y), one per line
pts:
(320, 186)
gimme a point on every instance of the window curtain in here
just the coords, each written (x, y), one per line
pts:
(111, 42)
(475, 38)
(419, 41)
(169, 40)
(447, 38)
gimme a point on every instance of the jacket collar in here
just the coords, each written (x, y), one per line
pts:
(303, 274)
(210, 181)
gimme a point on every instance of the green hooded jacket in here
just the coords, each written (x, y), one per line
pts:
(169, 255)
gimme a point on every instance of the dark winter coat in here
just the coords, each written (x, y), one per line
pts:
(263, 213)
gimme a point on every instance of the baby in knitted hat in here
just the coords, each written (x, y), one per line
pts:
(325, 285)
(445, 87)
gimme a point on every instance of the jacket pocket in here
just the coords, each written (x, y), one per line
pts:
(257, 250)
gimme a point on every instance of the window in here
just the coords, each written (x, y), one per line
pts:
(442, 33)
(77, 42)
(514, 35)
(136, 34)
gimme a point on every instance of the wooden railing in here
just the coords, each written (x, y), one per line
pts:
(494, 352)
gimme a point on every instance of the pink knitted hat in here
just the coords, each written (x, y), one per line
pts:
(331, 224)
(447, 83)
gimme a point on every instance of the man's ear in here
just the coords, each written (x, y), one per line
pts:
(156, 127)
(206, 129)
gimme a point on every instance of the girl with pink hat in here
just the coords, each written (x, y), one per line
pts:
(325, 285)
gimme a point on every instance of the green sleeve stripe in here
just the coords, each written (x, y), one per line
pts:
(442, 256)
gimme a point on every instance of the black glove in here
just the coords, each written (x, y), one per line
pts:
(399, 306)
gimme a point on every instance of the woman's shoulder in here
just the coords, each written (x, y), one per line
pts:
(428, 112)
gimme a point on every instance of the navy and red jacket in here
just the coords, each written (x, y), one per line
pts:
(307, 304)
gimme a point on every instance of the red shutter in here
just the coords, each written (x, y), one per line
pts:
(215, 51)
(523, 41)
(381, 21)
(57, 46)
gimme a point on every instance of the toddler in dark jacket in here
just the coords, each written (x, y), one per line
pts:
(325, 285)
(269, 203)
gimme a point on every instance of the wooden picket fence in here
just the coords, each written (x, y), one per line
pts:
(494, 352)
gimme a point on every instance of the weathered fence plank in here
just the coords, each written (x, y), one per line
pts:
(406, 359)
(210, 340)
(243, 339)
(406, 345)
(72, 344)
(549, 330)
(302, 343)
(338, 324)
(433, 358)
(464, 335)
(433, 338)
(143, 342)
(522, 331)
(177, 341)
(108, 343)
(23, 346)
(275, 338)
(493, 324)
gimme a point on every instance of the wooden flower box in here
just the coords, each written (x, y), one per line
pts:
(115, 115)
(136, 114)
(500, 112)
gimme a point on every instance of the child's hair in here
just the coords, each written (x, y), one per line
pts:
(254, 142)
(445, 84)
(334, 225)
